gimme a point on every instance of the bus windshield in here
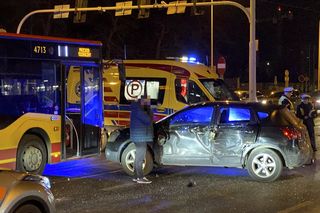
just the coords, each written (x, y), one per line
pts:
(218, 89)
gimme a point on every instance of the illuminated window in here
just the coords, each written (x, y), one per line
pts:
(263, 115)
(201, 115)
(232, 114)
(28, 86)
(187, 91)
(134, 88)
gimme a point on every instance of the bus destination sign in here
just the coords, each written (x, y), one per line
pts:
(84, 52)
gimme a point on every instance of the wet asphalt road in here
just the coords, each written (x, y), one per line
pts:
(96, 185)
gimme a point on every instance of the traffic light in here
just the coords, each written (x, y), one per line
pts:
(123, 12)
(176, 9)
(196, 11)
(143, 13)
(282, 14)
(80, 17)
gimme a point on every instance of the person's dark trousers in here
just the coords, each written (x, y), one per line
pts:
(141, 148)
(311, 135)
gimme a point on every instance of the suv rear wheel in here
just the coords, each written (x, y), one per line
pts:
(264, 165)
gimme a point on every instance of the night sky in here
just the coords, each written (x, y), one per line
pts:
(287, 31)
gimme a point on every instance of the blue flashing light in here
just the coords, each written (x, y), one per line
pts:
(185, 59)
(192, 59)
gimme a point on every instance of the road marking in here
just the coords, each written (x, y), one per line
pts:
(296, 207)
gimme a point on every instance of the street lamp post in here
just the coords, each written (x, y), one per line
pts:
(252, 53)
(212, 38)
(319, 58)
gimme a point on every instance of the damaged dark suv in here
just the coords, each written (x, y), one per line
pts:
(261, 138)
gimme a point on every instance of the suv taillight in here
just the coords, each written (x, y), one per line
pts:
(291, 133)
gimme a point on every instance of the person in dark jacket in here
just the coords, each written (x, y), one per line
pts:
(307, 113)
(141, 132)
(284, 100)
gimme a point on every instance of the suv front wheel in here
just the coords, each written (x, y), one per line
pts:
(127, 160)
(264, 165)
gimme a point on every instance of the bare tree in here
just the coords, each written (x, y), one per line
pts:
(161, 34)
(108, 41)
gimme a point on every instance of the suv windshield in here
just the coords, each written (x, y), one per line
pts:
(219, 90)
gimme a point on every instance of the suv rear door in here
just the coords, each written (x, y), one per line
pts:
(235, 127)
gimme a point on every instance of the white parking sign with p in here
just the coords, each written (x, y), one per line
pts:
(134, 89)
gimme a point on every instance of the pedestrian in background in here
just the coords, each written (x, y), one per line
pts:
(141, 132)
(285, 100)
(307, 113)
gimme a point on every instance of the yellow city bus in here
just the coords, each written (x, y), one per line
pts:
(40, 120)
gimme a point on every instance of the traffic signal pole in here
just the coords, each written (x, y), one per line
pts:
(251, 15)
(252, 53)
(211, 37)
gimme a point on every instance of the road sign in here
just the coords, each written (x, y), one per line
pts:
(134, 89)
(177, 9)
(221, 66)
(123, 12)
(80, 17)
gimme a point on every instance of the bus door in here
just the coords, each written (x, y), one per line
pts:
(83, 110)
(92, 110)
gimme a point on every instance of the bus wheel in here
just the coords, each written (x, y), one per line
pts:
(32, 155)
